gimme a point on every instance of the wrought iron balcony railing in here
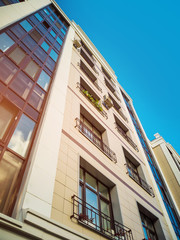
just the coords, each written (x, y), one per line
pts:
(130, 141)
(139, 180)
(92, 100)
(98, 221)
(95, 140)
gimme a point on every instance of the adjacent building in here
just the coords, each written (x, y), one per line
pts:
(72, 163)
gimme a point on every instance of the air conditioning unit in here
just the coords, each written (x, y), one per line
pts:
(77, 43)
(108, 101)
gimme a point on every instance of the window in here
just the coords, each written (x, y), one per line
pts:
(38, 17)
(46, 25)
(44, 80)
(35, 35)
(5, 42)
(46, 11)
(26, 25)
(32, 68)
(37, 97)
(17, 55)
(52, 33)
(8, 69)
(148, 227)
(21, 85)
(96, 197)
(22, 136)
(45, 46)
(7, 117)
(132, 170)
(59, 40)
(18, 30)
(54, 55)
(63, 31)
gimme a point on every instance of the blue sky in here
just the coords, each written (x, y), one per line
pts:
(141, 42)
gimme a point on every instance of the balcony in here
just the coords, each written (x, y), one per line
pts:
(92, 218)
(122, 115)
(111, 85)
(92, 100)
(130, 141)
(139, 180)
(87, 56)
(95, 140)
(88, 72)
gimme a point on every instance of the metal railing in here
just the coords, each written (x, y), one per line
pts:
(92, 100)
(135, 176)
(98, 221)
(130, 141)
(95, 140)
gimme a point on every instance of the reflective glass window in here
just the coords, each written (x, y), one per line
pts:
(44, 80)
(32, 68)
(5, 42)
(22, 136)
(54, 55)
(18, 30)
(59, 40)
(26, 25)
(46, 11)
(50, 64)
(52, 18)
(10, 166)
(52, 33)
(17, 55)
(7, 116)
(40, 53)
(38, 17)
(63, 31)
(35, 35)
(45, 46)
(29, 42)
(91, 181)
(36, 98)
(22, 85)
(8, 69)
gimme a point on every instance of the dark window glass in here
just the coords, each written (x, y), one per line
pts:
(29, 42)
(59, 41)
(8, 69)
(21, 85)
(40, 53)
(18, 30)
(57, 46)
(31, 112)
(46, 25)
(50, 64)
(35, 35)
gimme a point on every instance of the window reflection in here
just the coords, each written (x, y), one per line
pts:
(37, 98)
(45, 46)
(32, 68)
(44, 80)
(54, 55)
(5, 42)
(26, 25)
(38, 17)
(8, 69)
(17, 55)
(10, 167)
(21, 138)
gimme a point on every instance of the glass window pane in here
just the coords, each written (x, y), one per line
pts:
(46, 11)
(54, 55)
(10, 167)
(103, 190)
(5, 42)
(36, 98)
(22, 85)
(52, 18)
(45, 46)
(8, 69)
(81, 174)
(44, 80)
(59, 41)
(106, 224)
(29, 42)
(91, 181)
(7, 116)
(26, 25)
(57, 46)
(50, 64)
(17, 55)
(62, 30)
(91, 212)
(38, 17)
(35, 35)
(21, 138)
(18, 31)
(32, 68)
(40, 53)
(52, 33)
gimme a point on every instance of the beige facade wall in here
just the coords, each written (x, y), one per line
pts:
(75, 146)
(168, 174)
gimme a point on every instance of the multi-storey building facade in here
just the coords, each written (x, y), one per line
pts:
(169, 163)
(71, 163)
